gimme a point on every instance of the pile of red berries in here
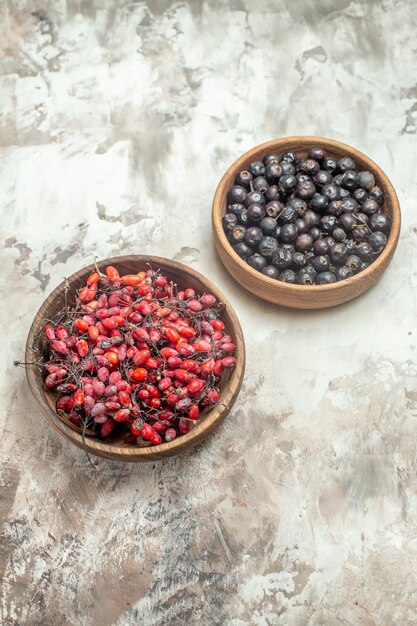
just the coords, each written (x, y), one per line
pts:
(137, 355)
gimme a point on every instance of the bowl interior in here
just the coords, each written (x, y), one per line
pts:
(301, 145)
(184, 277)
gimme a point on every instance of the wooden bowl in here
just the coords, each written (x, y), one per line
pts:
(300, 296)
(115, 448)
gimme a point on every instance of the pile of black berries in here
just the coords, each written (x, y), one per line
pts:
(307, 221)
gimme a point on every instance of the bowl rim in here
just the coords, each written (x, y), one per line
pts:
(298, 140)
(130, 452)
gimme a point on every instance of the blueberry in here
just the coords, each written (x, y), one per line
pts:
(311, 218)
(379, 221)
(353, 262)
(331, 192)
(339, 235)
(377, 195)
(267, 225)
(287, 183)
(321, 247)
(290, 157)
(256, 261)
(338, 179)
(268, 246)
(253, 236)
(338, 254)
(322, 178)
(344, 193)
(274, 208)
(310, 167)
(256, 212)
(244, 218)
(305, 189)
(243, 250)
(349, 205)
(287, 168)
(237, 234)
(229, 221)
(288, 276)
(298, 260)
(304, 242)
(378, 240)
(257, 168)
(237, 194)
(299, 205)
(243, 178)
(330, 165)
(344, 272)
(260, 184)
(319, 202)
(321, 263)
(370, 206)
(347, 221)
(359, 195)
(272, 158)
(350, 179)
(287, 215)
(306, 276)
(289, 232)
(328, 223)
(236, 208)
(302, 225)
(315, 233)
(346, 163)
(270, 271)
(317, 154)
(272, 193)
(273, 172)
(277, 233)
(360, 233)
(366, 180)
(325, 278)
(365, 252)
(254, 197)
(335, 208)
(282, 259)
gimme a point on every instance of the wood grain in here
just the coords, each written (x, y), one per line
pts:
(299, 296)
(115, 448)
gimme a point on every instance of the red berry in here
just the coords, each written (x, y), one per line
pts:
(170, 434)
(217, 324)
(195, 386)
(140, 373)
(79, 397)
(82, 347)
(193, 412)
(81, 325)
(147, 431)
(208, 300)
(106, 428)
(183, 426)
(93, 279)
(229, 362)
(195, 306)
(112, 273)
(59, 346)
(50, 380)
(93, 333)
(124, 398)
(49, 332)
(172, 335)
(136, 427)
(189, 293)
(131, 280)
(156, 439)
(122, 415)
(201, 345)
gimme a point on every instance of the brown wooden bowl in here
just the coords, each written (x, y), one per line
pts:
(115, 448)
(300, 296)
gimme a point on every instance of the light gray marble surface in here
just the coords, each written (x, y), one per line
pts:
(117, 120)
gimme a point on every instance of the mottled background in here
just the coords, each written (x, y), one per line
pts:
(116, 121)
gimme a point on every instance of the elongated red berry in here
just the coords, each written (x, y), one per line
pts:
(122, 415)
(49, 332)
(59, 346)
(193, 412)
(79, 397)
(106, 428)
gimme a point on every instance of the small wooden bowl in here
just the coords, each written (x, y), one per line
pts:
(115, 449)
(300, 296)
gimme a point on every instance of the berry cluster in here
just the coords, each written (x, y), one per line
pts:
(308, 221)
(135, 354)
